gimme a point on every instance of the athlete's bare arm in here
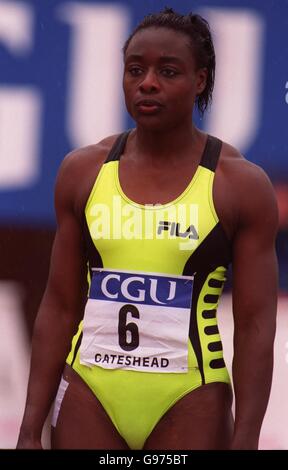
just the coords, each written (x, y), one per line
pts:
(254, 299)
(63, 302)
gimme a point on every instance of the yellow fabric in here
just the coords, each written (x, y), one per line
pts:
(136, 401)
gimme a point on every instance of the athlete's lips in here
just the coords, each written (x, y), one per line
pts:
(145, 102)
(148, 107)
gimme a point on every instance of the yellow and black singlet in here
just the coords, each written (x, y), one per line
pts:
(149, 334)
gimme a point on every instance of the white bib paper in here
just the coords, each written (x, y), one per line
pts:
(137, 321)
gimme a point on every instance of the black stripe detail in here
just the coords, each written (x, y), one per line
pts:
(217, 346)
(211, 299)
(118, 147)
(202, 262)
(92, 255)
(211, 330)
(77, 346)
(208, 160)
(215, 283)
(211, 153)
(193, 327)
(209, 313)
(94, 260)
(217, 363)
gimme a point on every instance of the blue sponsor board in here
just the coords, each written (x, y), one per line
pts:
(60, 87)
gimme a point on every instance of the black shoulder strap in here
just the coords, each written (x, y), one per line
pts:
(118, 147)
(211, 153)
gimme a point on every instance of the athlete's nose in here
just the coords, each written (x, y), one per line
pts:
(150, 82)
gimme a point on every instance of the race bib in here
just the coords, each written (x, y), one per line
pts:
(137, 321)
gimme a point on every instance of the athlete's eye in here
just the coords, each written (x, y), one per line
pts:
(135, 71)
(169, 73)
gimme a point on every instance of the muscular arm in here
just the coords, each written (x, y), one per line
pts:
(254, 306)
(59, 314)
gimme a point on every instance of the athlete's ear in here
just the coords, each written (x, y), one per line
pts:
(201, 81)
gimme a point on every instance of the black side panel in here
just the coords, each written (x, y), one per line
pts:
(92, 254)
(77, 346)
(94, 260)
(214, 251)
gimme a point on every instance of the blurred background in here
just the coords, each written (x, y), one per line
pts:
(60, 88)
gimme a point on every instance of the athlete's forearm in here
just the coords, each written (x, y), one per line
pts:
(252, 377)
(50, 345)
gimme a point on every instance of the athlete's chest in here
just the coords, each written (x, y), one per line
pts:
(159, 184)
(166, 184)
(155, 236)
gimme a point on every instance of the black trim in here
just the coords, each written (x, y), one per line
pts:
(211, 330)
(193, 327)
(214, 251)
(92, 254)
(217, 363)
(209, 314)
(216, 346)
(211, 299)
(211, 153)
(77, 346)
(94, 260)
(208, 160)
(215, 283)
(118, 147)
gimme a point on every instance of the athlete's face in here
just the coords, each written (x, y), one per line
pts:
(161, 80)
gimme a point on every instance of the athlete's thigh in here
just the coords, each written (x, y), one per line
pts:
(82, 423)
(200, 420)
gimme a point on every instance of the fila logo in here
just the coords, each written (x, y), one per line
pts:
(174, 230)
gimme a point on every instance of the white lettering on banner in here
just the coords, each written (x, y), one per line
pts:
(286, 96)
(153, 291)
(141, 292)
(95, 103)
(20, 106)
(20, 110)
(238, 39)
(124, 289)
(16, 21)
(104, 286)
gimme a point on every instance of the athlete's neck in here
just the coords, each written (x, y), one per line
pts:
(176, 144)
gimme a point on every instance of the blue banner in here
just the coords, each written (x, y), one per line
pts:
(140, 288)
(60, 87)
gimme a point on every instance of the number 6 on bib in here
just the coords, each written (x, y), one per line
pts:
(137, 321)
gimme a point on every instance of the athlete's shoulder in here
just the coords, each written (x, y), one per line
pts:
(95, 154)
(248, 183)
(84, 163)
(78, 171)
(238, 169)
